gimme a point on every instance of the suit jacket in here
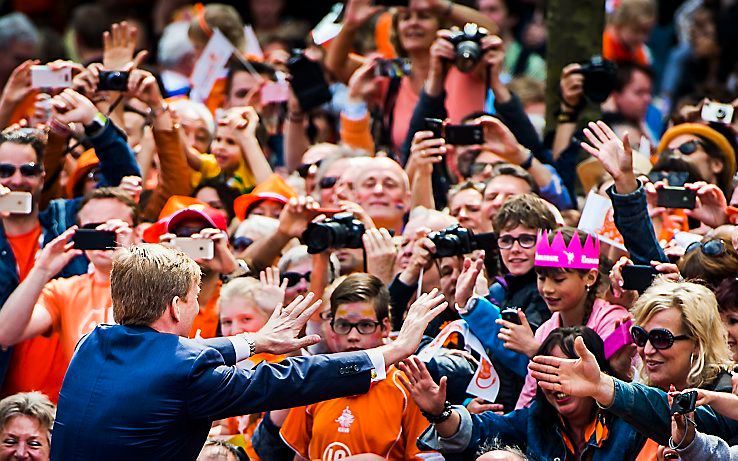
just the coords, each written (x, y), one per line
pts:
(134, 393)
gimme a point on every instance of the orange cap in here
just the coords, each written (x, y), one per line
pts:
(86, 163)
(274, 188)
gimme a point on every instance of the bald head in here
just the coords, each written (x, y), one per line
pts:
(501, 455)
(382, 188)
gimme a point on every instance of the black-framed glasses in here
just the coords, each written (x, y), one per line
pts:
(506, 242)
(687, 148)
(710, 248)
(28, 170)
(241, 243)
(660, 338)
(479, 167)
(327, 182)
(305, 169)
(364, 327)
(293, 278)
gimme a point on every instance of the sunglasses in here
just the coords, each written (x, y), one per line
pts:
(241, 243)
(328, 182)
(293, 278)
(660, 338)
(688, 148)
(506, 242)
(711, 248)
(364, 327)
(305, 169)
(28, 170)
(479, 167)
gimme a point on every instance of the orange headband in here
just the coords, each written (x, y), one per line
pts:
(200, 10)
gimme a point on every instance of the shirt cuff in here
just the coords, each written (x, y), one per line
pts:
(379, 372)
(355, 110)
(241, 346)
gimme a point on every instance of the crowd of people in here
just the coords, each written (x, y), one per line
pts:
(211, 171)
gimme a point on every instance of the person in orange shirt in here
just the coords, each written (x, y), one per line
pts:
(384, 421)
(628, 29)
(70, 307)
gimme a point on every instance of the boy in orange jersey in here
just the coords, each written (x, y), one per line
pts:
(384, 421)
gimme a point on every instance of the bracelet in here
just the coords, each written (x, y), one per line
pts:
(528, 162)
(679, 446)
(251, 343)
(438, 419)
(567, 117)
(295, 117)
(599, 405)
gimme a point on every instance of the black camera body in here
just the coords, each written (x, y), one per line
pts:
(468, 45)
(113, 80)
(340, 231)
(456, 241)
(684, 403)
(600, 78)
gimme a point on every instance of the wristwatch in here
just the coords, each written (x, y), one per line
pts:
(437, 419)
(251, 343)
(469, 306)
(241, 270)
(96, 125)
(528, 162)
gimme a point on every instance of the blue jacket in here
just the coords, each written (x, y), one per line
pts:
(117, 160)
(534, 433)
(634, 224)
(133, 393)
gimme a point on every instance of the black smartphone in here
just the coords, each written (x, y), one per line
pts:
(392, 68)
(684, 403)
(308, 82)
(676, 197)
(90, 239)
(637, 277)
(435, 125)
(463, 135)
(391, 2)
(510, 315)
(113, 80)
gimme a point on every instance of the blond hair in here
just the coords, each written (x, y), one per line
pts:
(32, 404)
(700, 320)
(144, 280)
(247, 290)
(631, 12)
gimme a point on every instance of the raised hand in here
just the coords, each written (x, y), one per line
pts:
(577, 377)
(425, 150)
(296, 215)
(499, 139)
(119, 44)
(615, 155)
(358, 12)
(572, 87)
(223, 261)
(478, 405)
(57, 254)
(362, 86)
(280, 334)
(381, 253)
(421, 312)
(470, 271)
(71, 107)
(272, 289)
(429, 396)
(19, 83)
(142, 85)
(711, 204)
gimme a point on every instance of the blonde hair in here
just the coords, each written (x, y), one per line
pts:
(246, 289)
(144, 280)
(32, 404)
(700, 320)
(632, 12)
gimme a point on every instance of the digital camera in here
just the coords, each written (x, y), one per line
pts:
(113, 80)
(468, 45)
(456, 241)
(340, 231)
(600, 77)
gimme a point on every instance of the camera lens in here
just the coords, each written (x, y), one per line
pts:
(720, 113)
(468, 54)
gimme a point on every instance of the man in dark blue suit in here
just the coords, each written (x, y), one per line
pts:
(142, 390)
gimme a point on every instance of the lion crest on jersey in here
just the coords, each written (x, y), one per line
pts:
(345, 420)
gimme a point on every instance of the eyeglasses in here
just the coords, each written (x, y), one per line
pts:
(364, 327)
(327, 182)
(28, 170)
(293, 278)
(241, 243)
(506, 242)
(306, 168)
(688, 148)
(712, 248)
(92, 225)
(660, 338)
(479, 167)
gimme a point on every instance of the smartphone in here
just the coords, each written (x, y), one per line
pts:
(195, 248)
(308, 82)
(684, 403)
(618, 339)
(391, 2)
(463, 135)
(113, 80)
(637, 277)
(393, 68)
(510, 314)
(275, 92)
(716, 112)
(16, 202)
(676, 197)
(91, 239)
(435, 125)
(45, 77)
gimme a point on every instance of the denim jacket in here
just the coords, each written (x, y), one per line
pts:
(528, 429)
(116, 161)
(635, 225)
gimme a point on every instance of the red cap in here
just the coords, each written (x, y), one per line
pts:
(180, 209)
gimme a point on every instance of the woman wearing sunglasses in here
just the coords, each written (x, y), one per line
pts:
(681, 341)
(712, 260)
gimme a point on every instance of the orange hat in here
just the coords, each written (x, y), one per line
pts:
(274, 188)
(180, 208)
(87, 162)
(706, 132)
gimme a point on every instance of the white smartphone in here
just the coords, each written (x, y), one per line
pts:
(44, 77)
(716, 112)
(16, 203)
(195, 248)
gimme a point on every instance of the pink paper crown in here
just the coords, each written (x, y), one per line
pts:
(556, 254)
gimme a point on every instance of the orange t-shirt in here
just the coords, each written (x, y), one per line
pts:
(614, 50)
(649, 452)
(35, 363)
(207, 319)
(384, 421)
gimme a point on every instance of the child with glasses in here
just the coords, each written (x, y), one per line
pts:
(384, 421)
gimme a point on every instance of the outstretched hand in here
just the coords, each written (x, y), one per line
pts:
(281, 333)
(577, 377)
(423, 310)
(429, 396)
(615, 155)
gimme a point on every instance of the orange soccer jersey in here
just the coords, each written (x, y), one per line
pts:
(384, 421)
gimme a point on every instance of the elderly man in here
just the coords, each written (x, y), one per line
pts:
(181, 385)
